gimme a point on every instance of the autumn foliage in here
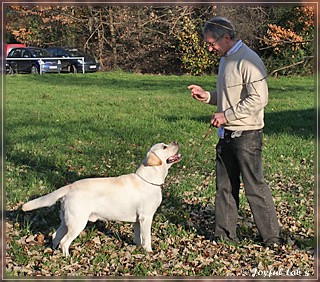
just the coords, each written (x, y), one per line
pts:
(166, 39)
(291, 41)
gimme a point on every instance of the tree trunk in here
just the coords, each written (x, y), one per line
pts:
(113, 39)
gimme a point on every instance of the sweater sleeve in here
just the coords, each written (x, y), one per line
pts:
(255, 96)
(213, 98)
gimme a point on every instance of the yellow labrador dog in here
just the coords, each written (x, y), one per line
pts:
(133, 197)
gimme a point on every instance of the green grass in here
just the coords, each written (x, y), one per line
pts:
(61, 128)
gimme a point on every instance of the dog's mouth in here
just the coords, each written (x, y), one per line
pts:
(174, 159)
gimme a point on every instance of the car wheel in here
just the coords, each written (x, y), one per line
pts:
(34, 69)
(73, 69)
(9, 70)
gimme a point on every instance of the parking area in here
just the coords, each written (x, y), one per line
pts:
(22, 59)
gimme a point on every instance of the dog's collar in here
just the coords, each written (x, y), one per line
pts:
(155, 184)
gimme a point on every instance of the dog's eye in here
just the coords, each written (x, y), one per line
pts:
(165, 147)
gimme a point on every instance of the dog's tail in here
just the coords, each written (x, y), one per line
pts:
(47, 200)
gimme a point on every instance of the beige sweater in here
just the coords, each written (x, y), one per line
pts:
(242, 90)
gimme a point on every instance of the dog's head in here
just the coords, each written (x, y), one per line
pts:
(161, 153)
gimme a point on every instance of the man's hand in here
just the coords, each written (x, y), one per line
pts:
(218, 119)
(198, 93)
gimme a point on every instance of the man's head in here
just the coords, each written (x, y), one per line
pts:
(217, 27)
(219, 33)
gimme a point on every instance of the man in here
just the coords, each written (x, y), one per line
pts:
(241, 95)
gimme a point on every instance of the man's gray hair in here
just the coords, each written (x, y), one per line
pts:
(218, 27)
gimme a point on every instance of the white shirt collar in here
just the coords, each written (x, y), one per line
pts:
(234, 48)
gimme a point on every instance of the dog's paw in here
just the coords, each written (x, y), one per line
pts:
(148, 249)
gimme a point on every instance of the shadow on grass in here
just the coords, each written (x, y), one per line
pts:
(301, 123)
(124, 80)
(41, 221)
(46, 220)
(120, 81)
(200, 218)
(297, 123)
(195, 218)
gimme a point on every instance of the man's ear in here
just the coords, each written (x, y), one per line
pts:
(153, 159)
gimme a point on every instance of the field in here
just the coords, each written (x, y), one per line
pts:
(61, 128)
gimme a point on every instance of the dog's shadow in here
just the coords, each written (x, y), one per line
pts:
(35, 222)
(193, 217)
(46, 221)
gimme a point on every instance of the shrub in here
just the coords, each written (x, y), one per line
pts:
(194, 56)
(288, 44)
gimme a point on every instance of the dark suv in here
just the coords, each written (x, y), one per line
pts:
(29, 60)
(72, 59)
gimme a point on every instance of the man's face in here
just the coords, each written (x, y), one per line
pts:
(217, 45)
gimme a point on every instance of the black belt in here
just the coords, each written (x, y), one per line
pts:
(238, 133)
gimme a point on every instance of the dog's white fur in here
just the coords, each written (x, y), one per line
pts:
(133, 197)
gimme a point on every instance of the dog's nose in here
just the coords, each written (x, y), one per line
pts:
(175, 143)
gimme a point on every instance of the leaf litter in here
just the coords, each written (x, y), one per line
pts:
(178, 250)
(181, 239)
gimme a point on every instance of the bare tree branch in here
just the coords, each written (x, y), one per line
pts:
(305, 59)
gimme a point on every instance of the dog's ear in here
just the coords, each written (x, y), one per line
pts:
(153, 159)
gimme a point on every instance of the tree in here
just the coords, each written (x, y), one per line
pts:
(289, 41)
(166, 39)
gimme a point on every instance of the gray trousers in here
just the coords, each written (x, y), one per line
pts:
(242, 156)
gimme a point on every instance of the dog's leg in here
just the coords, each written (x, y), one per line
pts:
(62, 230)
(76, 220)
(59, 234)
(137, 235)
(73, 231)
(145, 225)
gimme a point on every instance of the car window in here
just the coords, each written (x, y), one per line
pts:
(9, 50)
(75, 53)
(62, 53)
(40, 53)
(25, 53)
(53, 52)
(15, 53)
